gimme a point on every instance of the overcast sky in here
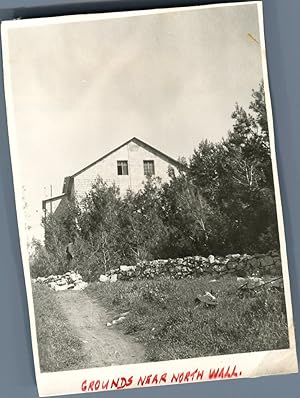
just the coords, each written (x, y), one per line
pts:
(82, 88)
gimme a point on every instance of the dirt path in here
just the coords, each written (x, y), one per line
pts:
(103, 345)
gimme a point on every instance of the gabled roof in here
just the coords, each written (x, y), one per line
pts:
(140, 143)
(68, 181)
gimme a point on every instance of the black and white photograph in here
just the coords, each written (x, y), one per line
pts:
(147, 197)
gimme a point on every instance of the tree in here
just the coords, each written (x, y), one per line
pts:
(141, 218)
(99, 230)
(235, 177)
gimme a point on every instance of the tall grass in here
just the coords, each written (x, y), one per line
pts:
(59, 348)
(163, 316)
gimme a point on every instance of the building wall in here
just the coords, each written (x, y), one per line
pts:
(53, 205)
(56, 206)
(107, 170)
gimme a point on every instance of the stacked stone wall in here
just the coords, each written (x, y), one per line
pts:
(196, 266)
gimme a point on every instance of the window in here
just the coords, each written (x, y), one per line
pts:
(122, 166)
(149, 167)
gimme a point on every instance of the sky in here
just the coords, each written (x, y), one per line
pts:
(80, 89)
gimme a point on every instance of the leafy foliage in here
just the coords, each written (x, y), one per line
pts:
(221, 202)
(235, 176)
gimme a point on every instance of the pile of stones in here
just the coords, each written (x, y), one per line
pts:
(69, 281)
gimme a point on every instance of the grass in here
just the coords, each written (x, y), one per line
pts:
(58, 347)
(163, 317)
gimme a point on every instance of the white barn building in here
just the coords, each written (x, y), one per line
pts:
(127, 166)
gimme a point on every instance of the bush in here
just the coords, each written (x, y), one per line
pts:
(45, 263)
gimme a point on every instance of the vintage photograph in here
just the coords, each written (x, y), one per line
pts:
(146, 186)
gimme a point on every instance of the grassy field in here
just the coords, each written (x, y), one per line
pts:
(163, 317)
(59, 348)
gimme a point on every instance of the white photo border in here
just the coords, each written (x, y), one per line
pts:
(252, 364)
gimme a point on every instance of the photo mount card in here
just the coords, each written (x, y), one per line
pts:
(147, 197)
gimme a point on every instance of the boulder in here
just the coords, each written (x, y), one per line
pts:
(103, 278)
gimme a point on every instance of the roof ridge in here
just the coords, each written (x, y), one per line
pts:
(140, 142)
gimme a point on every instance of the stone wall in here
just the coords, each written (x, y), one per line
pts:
(189, 267)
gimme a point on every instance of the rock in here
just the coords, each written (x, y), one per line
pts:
(241, 273)
(233, 256)
(71, 280)
(254, 262)
(103, 278)
(74, 276)
(219, 268)
(266, 261)
(118, 320)
(274, 271)
(125, 268)
(71, 286)
(274, 253)
(113, 278)
(199, 271)
(211, 259)
(124, 313)
(61, 282)
(52, 285)
(277, 264)
(207, 298)
(277, 284)
(241, 265)
(256, 280)
(231, 264)
(58, 288)
(80, 286)
(114, 271)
